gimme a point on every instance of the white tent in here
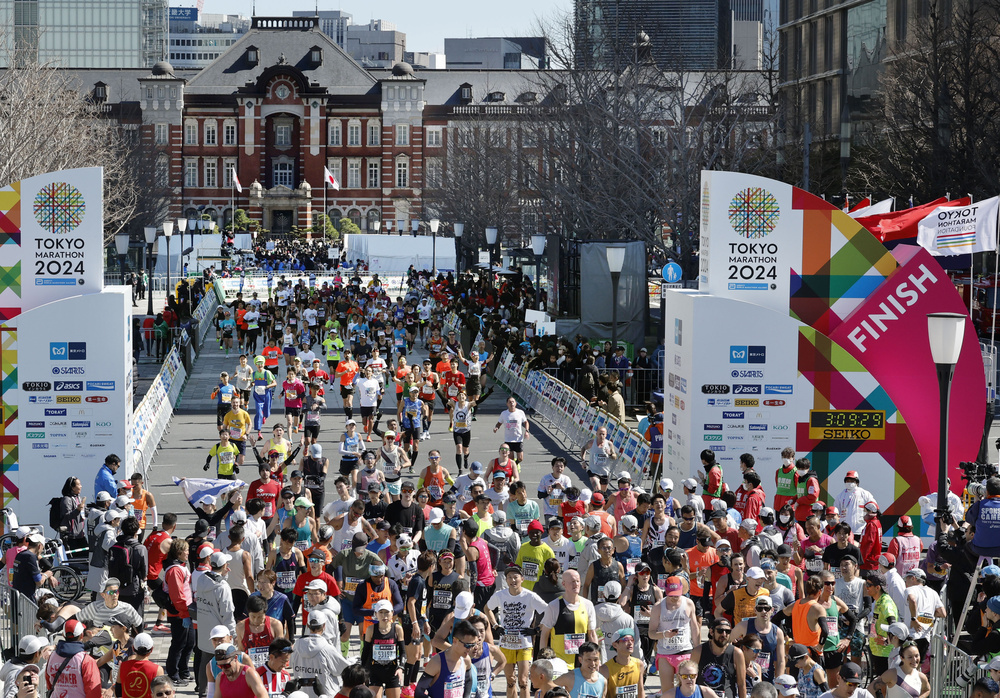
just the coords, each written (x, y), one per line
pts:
(393, 254)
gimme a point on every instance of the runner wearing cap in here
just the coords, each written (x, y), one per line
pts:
(237, 422)
(871, 538)
(383, 651)
(448, 674)
(905, 546)
(314, 572)
(411, 416)
(514, 609)
(921, 606)
(641, 596)
(137, 673)
(235, 679)
(27, 576)
(851, 502)
(688, 674)
(503, 463)
(596, 508)
(623, 499)
(770, 657)
(347, 369)
(740, 603)
(533, 553)
(628, 546)
(356, 564)
(835, 644)
(392, 459)
(71, 672)
(563, 548)
(851, 677)
(675, 625)
(623, 672)
(375, 588)
(435, 478)
(351, 447)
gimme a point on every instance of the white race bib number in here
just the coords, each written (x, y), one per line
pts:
(530, 571)
(259, 389)
(572, 642)
(258, 655)
(351, 584)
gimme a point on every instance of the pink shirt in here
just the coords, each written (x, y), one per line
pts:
(9, 560)
(296, 389)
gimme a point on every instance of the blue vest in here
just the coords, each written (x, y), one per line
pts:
(988, 524)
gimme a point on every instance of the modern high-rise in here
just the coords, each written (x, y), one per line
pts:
(376, 44)
(197, 39)
(685, 34)
(75, 34)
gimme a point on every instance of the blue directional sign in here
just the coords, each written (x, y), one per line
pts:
(672, 272)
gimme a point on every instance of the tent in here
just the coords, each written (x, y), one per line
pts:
(393, 254)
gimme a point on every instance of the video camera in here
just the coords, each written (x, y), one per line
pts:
(977, 472)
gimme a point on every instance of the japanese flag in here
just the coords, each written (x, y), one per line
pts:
(236, 181)
(330, 179)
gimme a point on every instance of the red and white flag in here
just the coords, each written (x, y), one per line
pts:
(330, 179)
(236, 181)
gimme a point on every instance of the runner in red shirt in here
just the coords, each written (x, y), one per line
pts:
(157, 547)
(318, 375)
(266, 489)
(453, 382)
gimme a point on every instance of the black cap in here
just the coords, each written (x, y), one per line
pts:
(850, 672)
(877, 579)
(784, 550)
(797, 651)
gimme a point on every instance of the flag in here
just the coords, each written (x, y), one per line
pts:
(330, 179)
(236, 181)
(870, 209)
(860, 205)
(197, 487)
(953, 230)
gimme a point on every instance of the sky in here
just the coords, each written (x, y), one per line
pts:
(426, 24)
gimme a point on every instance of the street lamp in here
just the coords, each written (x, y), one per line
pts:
(149, 232)
(121, 245)
(946, 332)
(616, 260)
(182, 224)
(538, 247)
(168, 230)
(414, 226)
(491, 240)
(433, 223)
(459, 229)
(400, 226)
(376, 224)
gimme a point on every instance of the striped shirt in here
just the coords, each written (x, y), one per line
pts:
(274, 681)
(98, 614)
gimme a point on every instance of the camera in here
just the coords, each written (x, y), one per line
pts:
(977, 472)
(969, 673)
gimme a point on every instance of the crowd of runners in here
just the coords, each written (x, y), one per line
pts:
(401, 572)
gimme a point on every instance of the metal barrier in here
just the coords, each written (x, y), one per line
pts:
(637, 384)
(17, 617)
(158, 282)
(952, 671)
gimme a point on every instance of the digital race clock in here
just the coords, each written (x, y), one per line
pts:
(847, 425)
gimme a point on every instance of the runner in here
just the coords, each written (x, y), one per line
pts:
(514, 610)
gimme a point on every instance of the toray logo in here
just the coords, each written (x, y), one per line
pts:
(55, 412)
(67, 351)
(739, 354)
(732, 415)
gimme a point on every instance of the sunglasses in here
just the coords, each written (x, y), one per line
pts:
(689, 519)
(112, 592)
(723, 631)
(688, 676)
(829, 584)
(434, 457)
(469, 645)
(755, 650)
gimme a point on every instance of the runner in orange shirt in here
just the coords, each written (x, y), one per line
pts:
(271, 354)
(347, 369)
(701, 558)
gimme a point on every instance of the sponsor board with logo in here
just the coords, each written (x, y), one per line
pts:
(68, 399)
(712, 437)
(746, 402)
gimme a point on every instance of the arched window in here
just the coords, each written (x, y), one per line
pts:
(335, 215)
(371, 217)
(355, 216)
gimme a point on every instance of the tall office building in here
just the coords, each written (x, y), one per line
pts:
(197, 39)
(685, 34)
(92, 34)
(333, 23)
(376, 44)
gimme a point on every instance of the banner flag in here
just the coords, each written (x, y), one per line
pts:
(954, 230)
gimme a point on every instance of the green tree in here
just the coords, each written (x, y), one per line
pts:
(241, 220)
(323, 226)
(347, 227)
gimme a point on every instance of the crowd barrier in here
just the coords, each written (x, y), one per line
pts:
(572, 415)
(17, 617)
(152, 414)
(952, 671)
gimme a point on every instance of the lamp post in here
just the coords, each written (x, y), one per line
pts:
(538, 247)
(168, 230)
(121, 246)
(616, 260)
(433, 223)
(414, 226)
(400, 226)
(376, 224)
(182, 225)
(459, 229)
(149, 232)
(946, 332)
(491, 240)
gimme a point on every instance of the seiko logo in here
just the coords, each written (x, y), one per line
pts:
(68, 399)
(747, 402)
(715, 389)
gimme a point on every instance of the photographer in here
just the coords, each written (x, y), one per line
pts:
(956, 550)
(984, 516)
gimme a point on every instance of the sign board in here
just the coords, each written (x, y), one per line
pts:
(74, 395)
(841, 374)
(672, 272)
(183, 14)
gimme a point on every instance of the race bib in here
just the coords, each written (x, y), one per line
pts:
(411, 412)
(268, 509)
(286, 579)
(602, 596)
(630, 565)
(522, 527)
(461, 424)
(925, 619)
(291, 394)
(235, 433)
(630, 691)
(530, 570)
(442, 599)
(302, 544)
(452, 391)
(227, 397)
(661, 581)
(641, 615)
(511, 642)
(455, 686)
(312, 416)
(555, 498)
(814, 565)
(435, 492)
(572, 642)
(258, 655)
(384, 651)
(259, 389)
(763, 660)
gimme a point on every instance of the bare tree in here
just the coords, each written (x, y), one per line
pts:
(46, 125)
(935, 127)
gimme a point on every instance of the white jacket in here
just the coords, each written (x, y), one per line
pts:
(851, 506)
(313, 657)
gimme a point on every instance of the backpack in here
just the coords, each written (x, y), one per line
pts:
(120, 565)
(55, 519)
(161, 596)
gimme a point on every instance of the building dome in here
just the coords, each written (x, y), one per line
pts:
(402, 69)
(163, 68)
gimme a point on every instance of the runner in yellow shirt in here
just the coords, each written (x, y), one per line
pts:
(238, 422)
(533, 554)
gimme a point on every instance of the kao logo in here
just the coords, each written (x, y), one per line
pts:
(779, 427)
(103, 424)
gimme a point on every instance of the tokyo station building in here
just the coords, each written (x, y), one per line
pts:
(284, 102)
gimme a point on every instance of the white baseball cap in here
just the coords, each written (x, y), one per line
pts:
(385, 605)
(464, 603)
(437, 516)
(219, 631)
(666, 483)
(316, 585)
